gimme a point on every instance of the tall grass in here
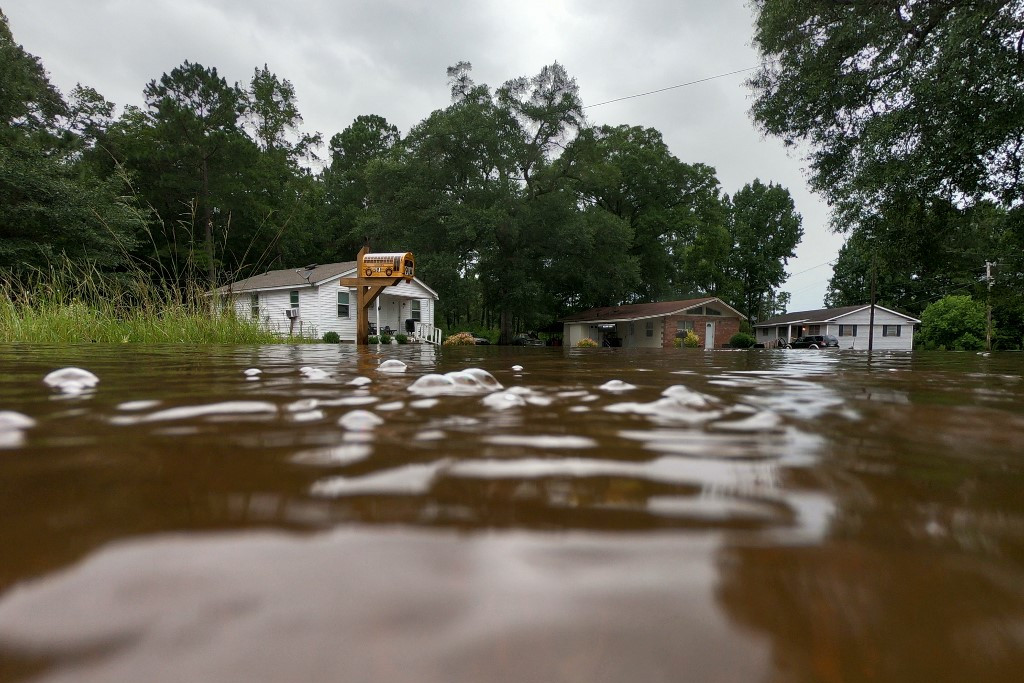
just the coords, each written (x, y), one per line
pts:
(70, 303)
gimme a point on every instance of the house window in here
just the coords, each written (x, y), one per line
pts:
(765, 331)
(847, 330)
(682, 327)
(891, 330)
(814, 329)
(254, 306)
(342, 303)
(650, 328)
(414, 310)
(711, 311)
(293, 296)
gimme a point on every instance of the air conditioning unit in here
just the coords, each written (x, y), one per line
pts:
(292, 313)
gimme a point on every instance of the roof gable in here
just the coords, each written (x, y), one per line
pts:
(825, 315)
(297, 278)
(649, 310)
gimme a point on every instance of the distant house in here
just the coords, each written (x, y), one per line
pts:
(655, 325)
(849, 324)
(311, 301)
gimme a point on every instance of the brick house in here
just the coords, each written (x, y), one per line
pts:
(657, 324)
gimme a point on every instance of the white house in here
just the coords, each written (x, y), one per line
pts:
(311, 301)
(850, 324)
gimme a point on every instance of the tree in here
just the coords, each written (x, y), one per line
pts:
(954, 322)
(196, 116)
(673, 209)
(765, 229)
(51, 207)
(926, 97)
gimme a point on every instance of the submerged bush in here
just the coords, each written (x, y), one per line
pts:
(331, 337)
(741, 340)
(402, 338)
(385, 339)
(373, 339)
(586, 343)
(460, 339)
(692, 341)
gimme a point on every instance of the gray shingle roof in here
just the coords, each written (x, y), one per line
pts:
(289, 277)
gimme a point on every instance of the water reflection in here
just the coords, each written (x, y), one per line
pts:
(598, 515)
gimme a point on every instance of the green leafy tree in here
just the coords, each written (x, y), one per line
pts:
(954, 322)
(196, 117)
(51, 207)
(926, 97)
(765, 229)
(674, 209)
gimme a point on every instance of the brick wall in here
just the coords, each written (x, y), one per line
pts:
(725, 327)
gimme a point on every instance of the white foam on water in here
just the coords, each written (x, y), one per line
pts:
(71, 380)
(350, 401)
(360, 420)
(360, 381)
(130, 406)
(407, 480)
(617, 385)
(503, 400)
(392, 365)
(424, 403)
(517, 368)
(314, 373)
(252, 372)
(12, 428)
(303, 404)
(333, 456)
(541, 441)
(430, 435)
(308, 416)
(764, 421)
(393, 405)
(459, 382)
(189, 412)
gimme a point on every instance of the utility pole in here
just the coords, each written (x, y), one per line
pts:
(871, 316)
(988, 306)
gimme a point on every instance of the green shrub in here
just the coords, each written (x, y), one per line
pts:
(401, 338)
(586, 343)
(741, 340)
(373, 339)
(677, 342)
(385, 339)
(331, 337)
(459, 339)
(956, 322)
(692, 341)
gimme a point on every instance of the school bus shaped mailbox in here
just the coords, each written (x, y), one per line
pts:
(397, 264)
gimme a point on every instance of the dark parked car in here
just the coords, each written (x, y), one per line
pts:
(815, 341)
(527, 339)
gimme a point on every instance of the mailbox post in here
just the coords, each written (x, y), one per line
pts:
(374, 274)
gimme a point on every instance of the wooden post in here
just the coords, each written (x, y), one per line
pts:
(367, 291)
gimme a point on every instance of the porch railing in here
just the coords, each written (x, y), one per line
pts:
(426, 333)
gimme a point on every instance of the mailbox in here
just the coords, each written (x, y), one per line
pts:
(389, 265)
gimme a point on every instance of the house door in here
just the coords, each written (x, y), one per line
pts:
(709, 336)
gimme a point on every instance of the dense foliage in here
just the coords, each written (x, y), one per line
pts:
(912, 114)
(518, 210)
(954, 322)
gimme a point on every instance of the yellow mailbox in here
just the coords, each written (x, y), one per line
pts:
(389, 265)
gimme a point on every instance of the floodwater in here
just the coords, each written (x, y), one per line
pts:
(565, 515)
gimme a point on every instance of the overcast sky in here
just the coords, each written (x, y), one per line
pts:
(388, 57)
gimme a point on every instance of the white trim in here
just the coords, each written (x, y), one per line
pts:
(347, 273)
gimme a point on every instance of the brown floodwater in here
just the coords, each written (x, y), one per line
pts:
(564, 515)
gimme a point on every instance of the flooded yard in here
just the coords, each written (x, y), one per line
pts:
(510, 514)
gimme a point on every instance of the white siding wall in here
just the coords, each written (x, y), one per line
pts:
(273, 307)
(904, 342)
(318, 309)
(640, 337)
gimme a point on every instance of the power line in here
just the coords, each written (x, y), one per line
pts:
(672, 87)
